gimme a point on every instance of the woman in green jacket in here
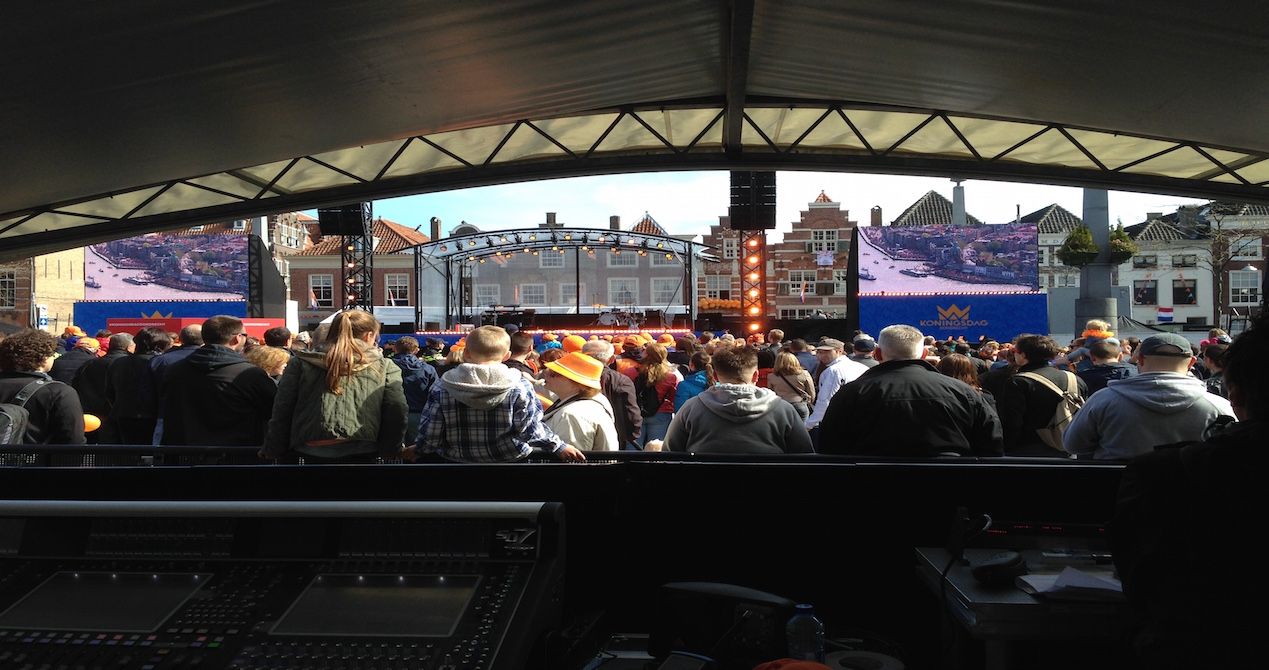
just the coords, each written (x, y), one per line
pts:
(343, 404)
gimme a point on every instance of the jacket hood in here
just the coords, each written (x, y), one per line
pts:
(480, 386)
(410, 362)
(370, 355)
(213, 357)
(1160, 391)
(738, 402)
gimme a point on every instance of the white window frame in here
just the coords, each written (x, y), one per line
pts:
(1244, 288)
(619, 260)
(240, 225)
(568, 294)
(556, 257)
(1247, 248)
(317, 288)
(839, 281)
(799, 276)
(524, 295)
(612, 298)
(662, 295)
(720, 283)
(823, 240)
(796, 312)
(399, 281)
(731, 248)
(496, 293)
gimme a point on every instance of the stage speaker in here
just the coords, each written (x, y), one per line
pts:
(703, 325)
(753, 201)
(346, 220)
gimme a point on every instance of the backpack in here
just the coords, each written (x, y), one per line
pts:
(1069, 402)
(14, 417)
(649, 400)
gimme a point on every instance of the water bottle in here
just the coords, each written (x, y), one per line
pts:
(805, 634)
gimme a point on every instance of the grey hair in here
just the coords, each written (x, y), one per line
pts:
(600, 350)
(120, 341)
(901, 343)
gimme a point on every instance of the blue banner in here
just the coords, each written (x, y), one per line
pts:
(92, 315)
(998, 316)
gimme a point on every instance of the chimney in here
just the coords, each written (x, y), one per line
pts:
(958, 203)
(436, 228)
(614, 222)
(876, 217)
(550, 219)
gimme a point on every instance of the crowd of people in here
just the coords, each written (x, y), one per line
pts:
(498, 394)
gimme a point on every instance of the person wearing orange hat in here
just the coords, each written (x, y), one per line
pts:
(549, 341)
(582, 416)
(627, 362)
(572, 343)
(665, 339)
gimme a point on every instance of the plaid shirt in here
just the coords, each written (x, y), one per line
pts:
(507, 432)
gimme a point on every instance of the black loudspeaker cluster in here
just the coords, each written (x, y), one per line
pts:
(753, 201)
(348, 220)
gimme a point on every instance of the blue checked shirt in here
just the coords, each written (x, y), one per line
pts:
(507, 432)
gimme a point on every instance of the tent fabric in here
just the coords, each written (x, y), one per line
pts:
(121, 118)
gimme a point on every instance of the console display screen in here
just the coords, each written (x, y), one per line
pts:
(379, 605)
(123, 602)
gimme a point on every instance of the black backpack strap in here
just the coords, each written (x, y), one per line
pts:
(30, 389)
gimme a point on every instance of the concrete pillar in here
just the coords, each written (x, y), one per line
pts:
(1095, 301)
(958, 203)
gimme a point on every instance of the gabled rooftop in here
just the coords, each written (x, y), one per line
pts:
(648, 226)
(392, 237)
(1053, 219)
(931, 210)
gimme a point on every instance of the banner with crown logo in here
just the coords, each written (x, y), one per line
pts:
(1000, 316)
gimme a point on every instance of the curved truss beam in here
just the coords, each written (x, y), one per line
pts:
(785, 135)
(478, 246)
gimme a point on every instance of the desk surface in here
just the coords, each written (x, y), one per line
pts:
(1008, 613)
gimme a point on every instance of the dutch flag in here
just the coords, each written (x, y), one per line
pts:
(1165, 315)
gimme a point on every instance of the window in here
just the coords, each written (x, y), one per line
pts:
(240, 224)
(1245, 248)
(665, 291)
(1068, 280)
(1244, 287)
(1145, 292)
(1185, 261)
(551, 259)
(1184, 292)
(488, 294)
(623, 259)
(663, 259)
(533, 294)
(795, 288)
(322, 290)
(823, 240)
(839, 278)
(1042, 256)
(569, 292)
(623, 290)
(396, 289)
(1150, 261)
(731, 248)
(796, 313)
(800, 276)
(718, 286)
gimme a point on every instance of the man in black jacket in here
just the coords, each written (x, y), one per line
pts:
(90, 384)
(54, 413)
(215, 397)
(69, 363)
(620, 392)
(904, 407)
(1026, 405)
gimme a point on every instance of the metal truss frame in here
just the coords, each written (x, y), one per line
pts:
(753, 279)
(705, 135)
(357, 264)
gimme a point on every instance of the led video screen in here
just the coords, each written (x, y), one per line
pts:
(167, 266)
(948, 259)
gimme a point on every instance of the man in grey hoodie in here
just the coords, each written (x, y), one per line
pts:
(1162, 405)
(735, 416)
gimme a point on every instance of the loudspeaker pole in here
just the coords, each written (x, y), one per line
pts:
(357, 265)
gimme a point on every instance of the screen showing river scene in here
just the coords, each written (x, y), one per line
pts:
(165, 266)
(949, 259)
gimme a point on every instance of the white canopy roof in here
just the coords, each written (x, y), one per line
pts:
(117, 118)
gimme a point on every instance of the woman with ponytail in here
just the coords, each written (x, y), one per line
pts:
(343, 403)
(654, 389)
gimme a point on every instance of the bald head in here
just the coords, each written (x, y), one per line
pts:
(901, 343)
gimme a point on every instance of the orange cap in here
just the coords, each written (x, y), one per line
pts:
(573, 343)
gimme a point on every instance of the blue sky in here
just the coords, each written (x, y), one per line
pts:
(689, 202)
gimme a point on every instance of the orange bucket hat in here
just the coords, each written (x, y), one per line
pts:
(573, 343)
(578, 367)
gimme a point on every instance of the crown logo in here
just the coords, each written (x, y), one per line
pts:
(954, 312)
(156, 315)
